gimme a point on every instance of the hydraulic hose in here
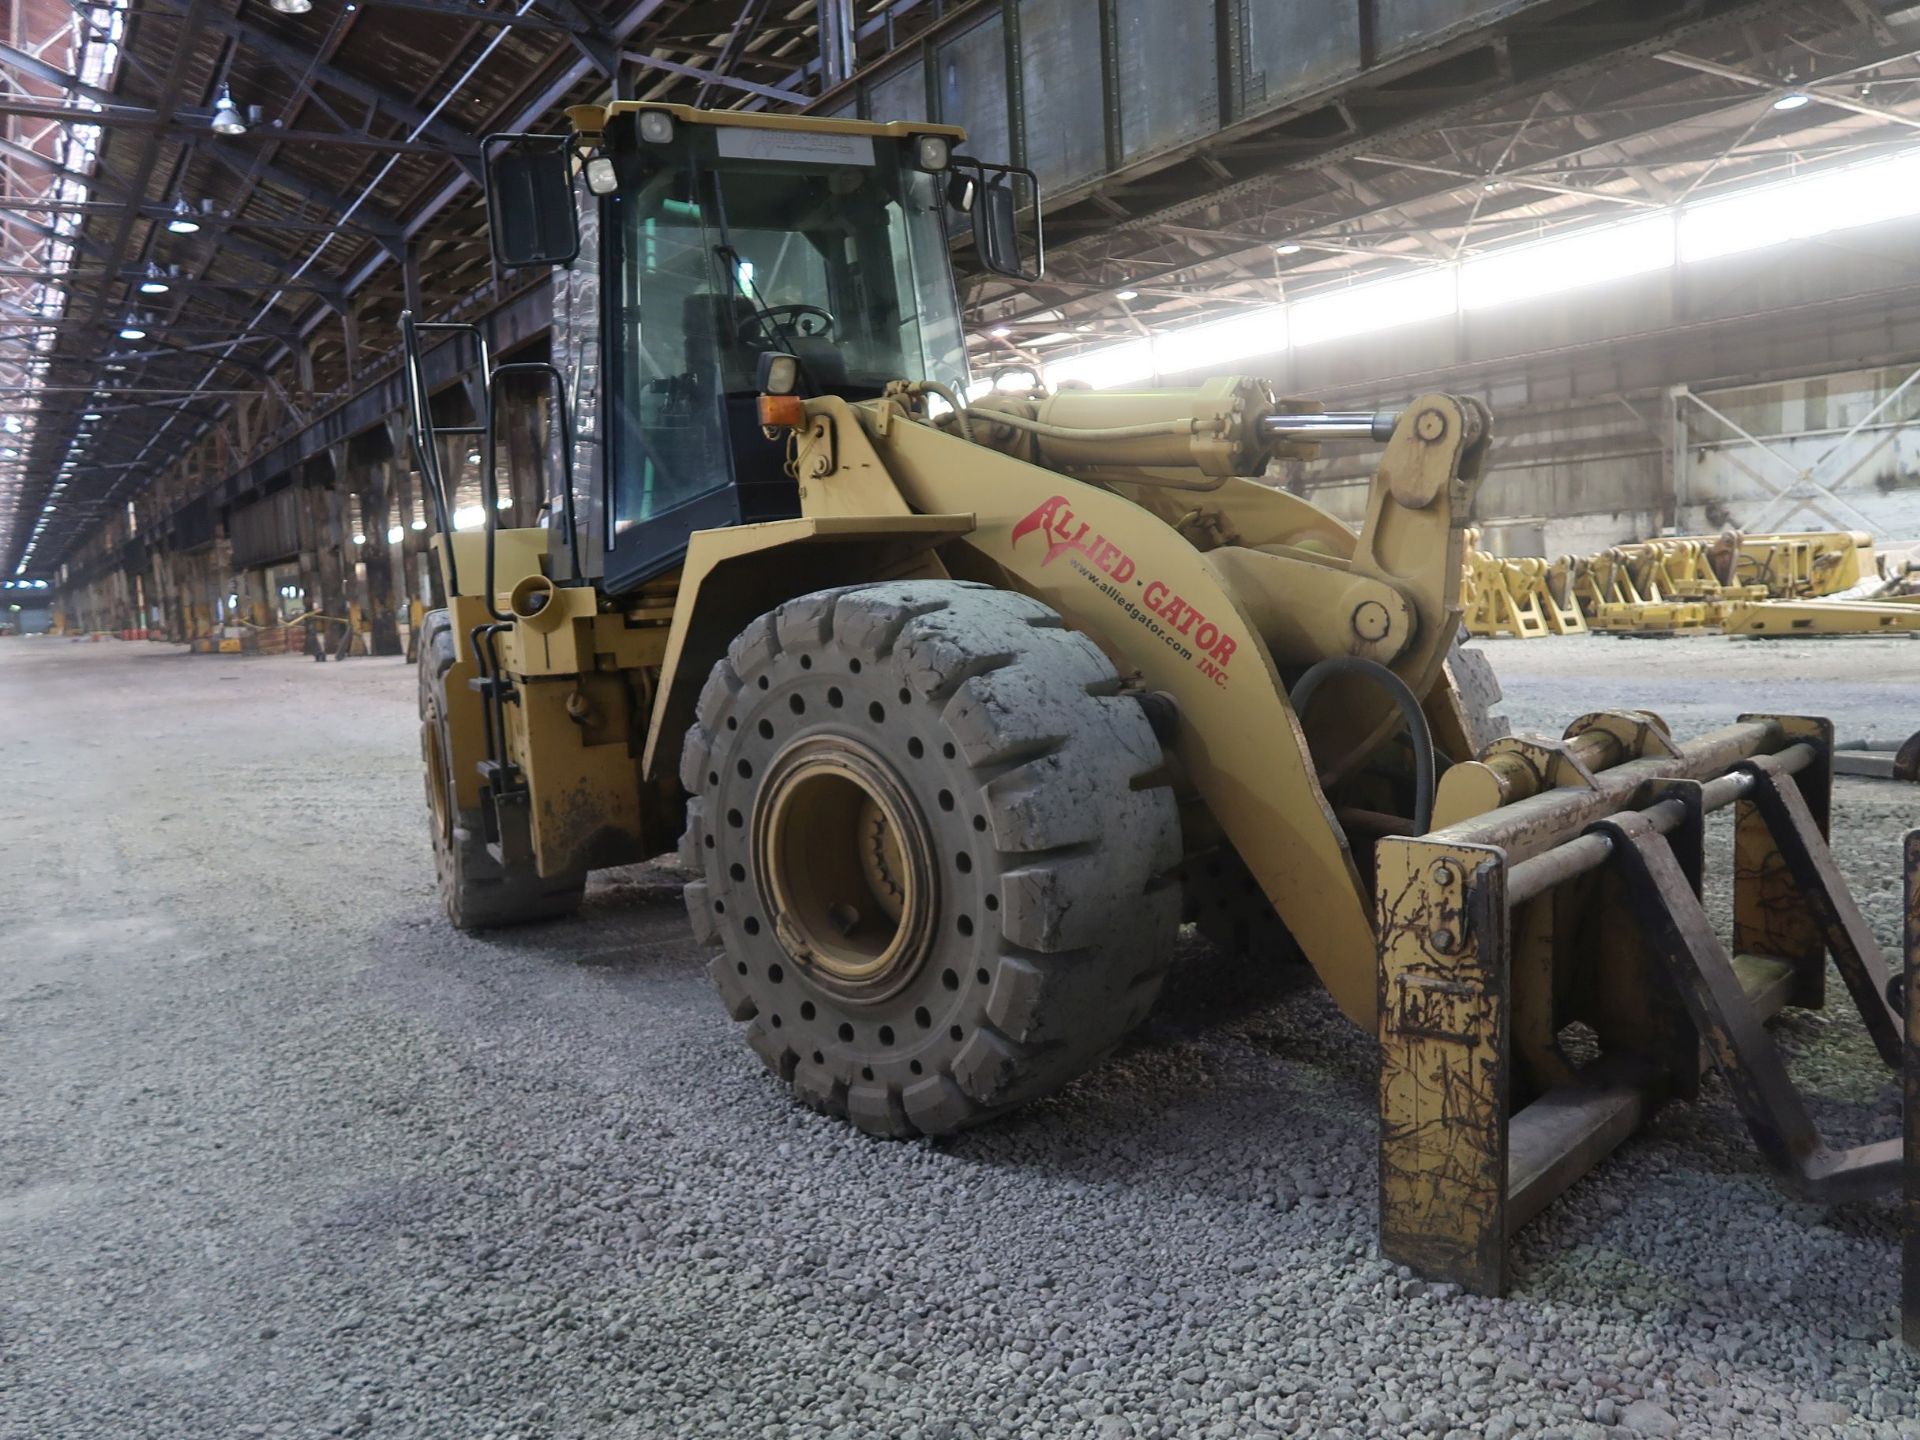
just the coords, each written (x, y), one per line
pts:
(1418, 730)
(1145, 430)
(954, 402)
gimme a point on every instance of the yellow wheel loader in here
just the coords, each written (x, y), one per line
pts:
(955, 702)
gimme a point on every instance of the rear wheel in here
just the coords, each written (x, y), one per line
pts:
(932, 847)
(477, 891)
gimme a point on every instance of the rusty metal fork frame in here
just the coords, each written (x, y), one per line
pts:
(1909, 995)
(1461, 1168)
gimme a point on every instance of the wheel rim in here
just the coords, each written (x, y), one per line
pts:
(844, 862)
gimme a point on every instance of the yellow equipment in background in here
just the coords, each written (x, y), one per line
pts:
(957, 705)
(1802, 566)
(1523, 597)
(1758, 585)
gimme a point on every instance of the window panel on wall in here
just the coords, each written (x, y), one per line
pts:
(1169, 84)
(900, 96)
(972, 75)
(1060, 58)
(1293, 50)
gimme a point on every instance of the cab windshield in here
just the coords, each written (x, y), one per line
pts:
(734, 241)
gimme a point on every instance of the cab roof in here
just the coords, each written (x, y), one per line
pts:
(592, 120)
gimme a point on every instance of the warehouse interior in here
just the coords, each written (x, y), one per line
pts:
(1530, 388)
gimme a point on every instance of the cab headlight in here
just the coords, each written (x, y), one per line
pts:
(656, 127)
(931, 152)
(601, 177)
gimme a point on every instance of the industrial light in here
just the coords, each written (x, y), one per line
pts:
(505, 502)
(1000, 332)
(154, 284)
(656, 127)
(1287, 249)
(227, 119)
(933, 152)
(1793, 100)
(182, 222)
(292, 7)
(395, 534)
(132, 331)
(602, 178)
(359, 539)
(416, 525)
(1126, 294)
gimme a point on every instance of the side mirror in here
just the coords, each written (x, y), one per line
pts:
(994, 195)
(530, 212)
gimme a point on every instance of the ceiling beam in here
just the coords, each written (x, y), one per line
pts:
(732, 82)
(178, 64)
(459, 10)
(297, 62)
(197, 124)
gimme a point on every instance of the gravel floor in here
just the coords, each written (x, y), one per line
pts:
(281, 1155)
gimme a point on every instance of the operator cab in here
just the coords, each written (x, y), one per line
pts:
(723, 238)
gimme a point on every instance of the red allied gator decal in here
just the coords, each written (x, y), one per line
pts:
(1165, 615)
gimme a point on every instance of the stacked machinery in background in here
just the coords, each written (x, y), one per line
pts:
(1815, 583)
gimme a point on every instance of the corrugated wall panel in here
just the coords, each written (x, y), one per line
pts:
(1295, 50)
(1060, 64)
(267, 530)
(900, 96)
(972, 70)
(1169, 73)
(1406, 25)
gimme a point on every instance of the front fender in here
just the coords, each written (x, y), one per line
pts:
(733, 576)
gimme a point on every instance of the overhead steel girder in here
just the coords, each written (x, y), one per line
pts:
(15, 205)
(195, 15)
(1812, 89)
(196, 124)
(135, 273)
(275, 264)
(378, 223)
(711, 77)
(1313, 139)
(300, 63)
(599, 49)
(104, 181)
(457, 10)
(529, 114)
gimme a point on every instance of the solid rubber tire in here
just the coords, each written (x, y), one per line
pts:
(1051, 831)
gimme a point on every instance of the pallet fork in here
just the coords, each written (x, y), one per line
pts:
(1493, 1101)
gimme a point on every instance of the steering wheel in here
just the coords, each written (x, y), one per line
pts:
(791, 318)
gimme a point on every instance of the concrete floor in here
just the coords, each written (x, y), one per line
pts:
(280, 1154)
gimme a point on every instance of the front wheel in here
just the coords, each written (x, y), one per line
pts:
(934, 851)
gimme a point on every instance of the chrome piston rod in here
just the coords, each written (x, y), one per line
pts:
(1375, 425)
